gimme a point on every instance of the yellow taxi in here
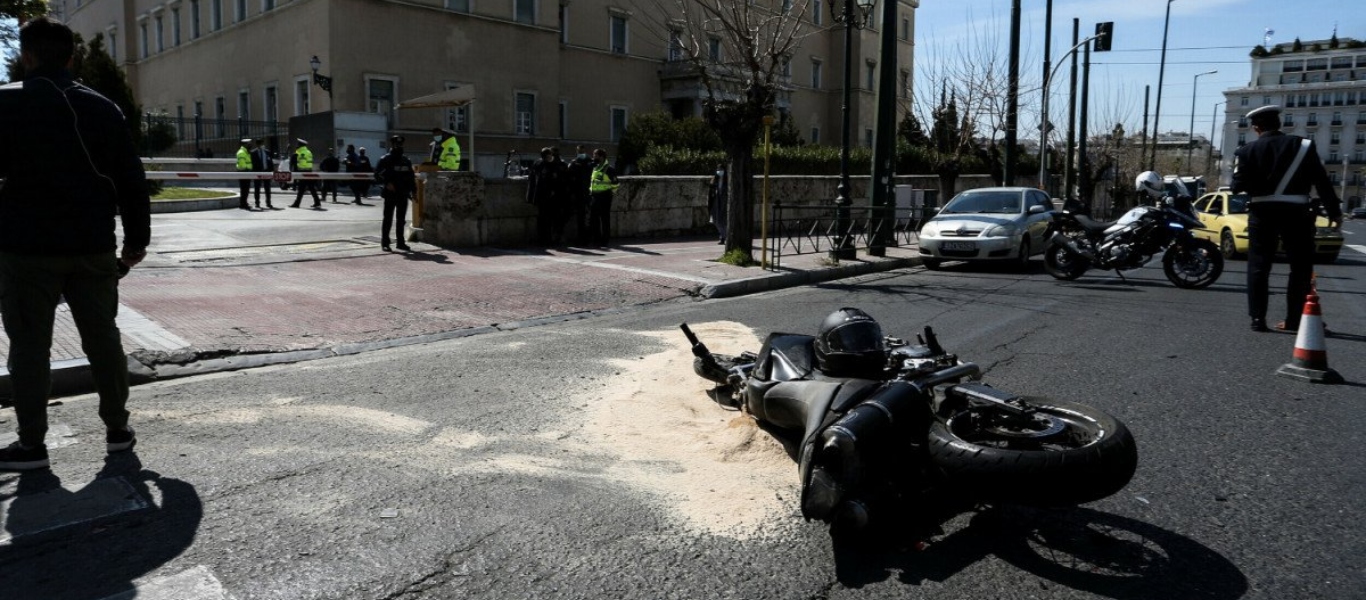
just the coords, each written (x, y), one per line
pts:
(1224, 215)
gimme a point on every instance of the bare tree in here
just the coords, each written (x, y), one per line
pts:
(738, 51)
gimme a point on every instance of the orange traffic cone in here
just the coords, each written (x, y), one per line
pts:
(1310, 362)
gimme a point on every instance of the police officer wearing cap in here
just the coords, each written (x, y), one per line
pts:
(244, 166)
(397, 183)
(303, 163)
(1277, 171)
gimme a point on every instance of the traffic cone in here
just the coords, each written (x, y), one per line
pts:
(1310, 362)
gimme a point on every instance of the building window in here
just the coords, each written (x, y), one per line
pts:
(215, 15)
(239, 11)
(194, 19)
(161, 34)
(301, 96)
(619, 32)
(1361, 137)
(618, 124)
(220, 116)
(905, 27)
(272, 109)
(564, 23)
(1286, 119)
(817, 15)
(198, 120)
(1242, 101)
(1242, 138)
(787, 67)
(113, 36)
(458, 5)
(787, 6)
(524, 11)
(525, 111)
(816, 74)
(1335, 137)
(180, 121)
(714, 49)
(381, 93)
(175, 26)
(564, 119)
(267, 5)
(905, 84)
(244, 104)
(458, 118)
(1332, 156)
(142, 39)
(815, 135)
(1312, 120)
(675, 46)
(870, 75)
(868, 138)
(1337, 118)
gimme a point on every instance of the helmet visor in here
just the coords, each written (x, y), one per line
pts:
(855, 336)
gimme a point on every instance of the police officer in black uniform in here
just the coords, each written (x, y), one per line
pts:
(398, 183)
(1276, 170)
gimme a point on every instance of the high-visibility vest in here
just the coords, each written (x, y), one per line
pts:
(600, 181)
(243, 159)
(450, 155)
(303, 158)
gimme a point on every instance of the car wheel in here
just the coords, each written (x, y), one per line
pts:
(932, 264)
(1227, 247)
(1326, 258)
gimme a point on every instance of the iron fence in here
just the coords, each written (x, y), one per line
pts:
(200, 137)
(797, 230)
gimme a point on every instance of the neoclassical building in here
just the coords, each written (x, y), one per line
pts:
(543, 72)
(1321, 87)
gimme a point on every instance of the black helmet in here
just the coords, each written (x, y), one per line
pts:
(850, 344)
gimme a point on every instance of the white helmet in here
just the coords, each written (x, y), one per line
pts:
(1150, 182)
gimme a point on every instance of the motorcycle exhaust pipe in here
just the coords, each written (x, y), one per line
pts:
(1071, 244)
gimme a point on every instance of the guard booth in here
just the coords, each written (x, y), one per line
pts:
(452, 98)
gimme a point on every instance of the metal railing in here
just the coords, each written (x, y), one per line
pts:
(205, 137)
(795, 230)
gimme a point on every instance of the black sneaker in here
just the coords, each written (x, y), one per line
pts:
(402, 246)
(17, 457)
(119, 440)
(1259, 325)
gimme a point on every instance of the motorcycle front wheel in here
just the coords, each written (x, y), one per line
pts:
(1063, 454)
(1193, 265)
(1062, 263)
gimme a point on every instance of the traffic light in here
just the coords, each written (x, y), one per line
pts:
(1104, 32)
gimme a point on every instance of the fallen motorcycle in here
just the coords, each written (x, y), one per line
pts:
(877, 422)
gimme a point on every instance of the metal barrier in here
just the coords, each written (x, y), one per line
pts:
(797, 230)
(284, 176)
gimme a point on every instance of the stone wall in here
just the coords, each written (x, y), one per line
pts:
(465, 210)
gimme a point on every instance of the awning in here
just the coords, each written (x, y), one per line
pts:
(450, 98)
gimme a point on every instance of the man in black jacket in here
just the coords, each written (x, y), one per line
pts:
(262, 163)
(1277, 170)
(69, 165)
(398, 183)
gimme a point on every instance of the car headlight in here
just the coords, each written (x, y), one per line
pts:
(1006, 231)
(930, 229)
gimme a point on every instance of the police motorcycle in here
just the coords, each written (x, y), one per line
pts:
(1078, 243)
(880, 426)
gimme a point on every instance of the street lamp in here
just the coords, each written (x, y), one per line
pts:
(1161, 71)
(853, 14)
(1209, 158)
(1190, 136)
(1047, 128)
(321, 80)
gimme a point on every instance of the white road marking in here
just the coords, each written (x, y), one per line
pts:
(145, 333)
(45, 511)
(1361, 249)
(192, 584)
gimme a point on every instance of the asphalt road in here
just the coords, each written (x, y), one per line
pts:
(513, 465)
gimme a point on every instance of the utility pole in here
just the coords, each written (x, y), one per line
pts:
(1069, 171)
(1012, 94)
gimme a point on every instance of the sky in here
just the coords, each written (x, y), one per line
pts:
(1204, 35)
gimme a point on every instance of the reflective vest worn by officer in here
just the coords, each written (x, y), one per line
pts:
(243, 159)
(450, 155)
(602, 181)
(303, 159)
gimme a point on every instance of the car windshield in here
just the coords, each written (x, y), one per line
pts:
(993, 202)
(1237, 204)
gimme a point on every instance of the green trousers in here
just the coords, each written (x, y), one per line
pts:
(30, 289)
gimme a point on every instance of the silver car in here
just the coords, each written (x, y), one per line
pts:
(1005, 224)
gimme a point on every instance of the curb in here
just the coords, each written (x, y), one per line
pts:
(765, 283)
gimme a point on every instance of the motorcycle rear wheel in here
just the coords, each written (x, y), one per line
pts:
(1062, 263)
(1193, 266)
(1067, 454)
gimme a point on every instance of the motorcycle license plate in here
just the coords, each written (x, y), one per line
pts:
(960, 245)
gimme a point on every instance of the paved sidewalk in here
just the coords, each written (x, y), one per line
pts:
(202, 310)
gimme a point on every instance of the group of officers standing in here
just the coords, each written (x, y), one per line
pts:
(580, 190)
(394, 173)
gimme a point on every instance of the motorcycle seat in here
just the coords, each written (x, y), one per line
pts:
(1092, 225)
